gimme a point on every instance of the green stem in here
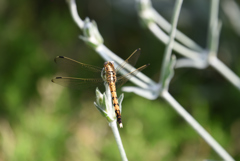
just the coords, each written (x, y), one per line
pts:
(213, 21)
(168, 50)
(117, 137)
(197, 127)
(113, 124)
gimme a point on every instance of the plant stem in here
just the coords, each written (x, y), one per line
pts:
(117, 137)
(225, 71)
(75, 16)
(113, 124)
(196, 126)
(213, 40)
(213, 21)
(232, 11)
(177, 47)
(165, 25)
(168, 50)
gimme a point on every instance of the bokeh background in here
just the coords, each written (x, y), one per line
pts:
(40, 120)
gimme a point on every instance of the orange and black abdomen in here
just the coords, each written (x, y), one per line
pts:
(111, 79)
(115, 102)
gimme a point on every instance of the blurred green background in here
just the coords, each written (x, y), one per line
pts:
(40, 120)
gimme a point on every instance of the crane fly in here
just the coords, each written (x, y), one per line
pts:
(71, 66)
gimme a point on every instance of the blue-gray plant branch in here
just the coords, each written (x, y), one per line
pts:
(194, 56)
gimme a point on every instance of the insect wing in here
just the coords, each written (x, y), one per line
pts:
(124, 78)
(132, 60)
(78, 83)
(72, 68)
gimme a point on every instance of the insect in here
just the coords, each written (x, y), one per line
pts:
(72, 67)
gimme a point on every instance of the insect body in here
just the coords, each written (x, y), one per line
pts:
(111, 79)
(71, 67)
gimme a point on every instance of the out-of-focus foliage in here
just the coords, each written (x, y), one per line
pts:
(40, 120)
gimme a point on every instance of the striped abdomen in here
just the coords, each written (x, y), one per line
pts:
(111, 79)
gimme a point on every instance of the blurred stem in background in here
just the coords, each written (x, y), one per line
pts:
(43, 121)
(167, 74)
(196, 57)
